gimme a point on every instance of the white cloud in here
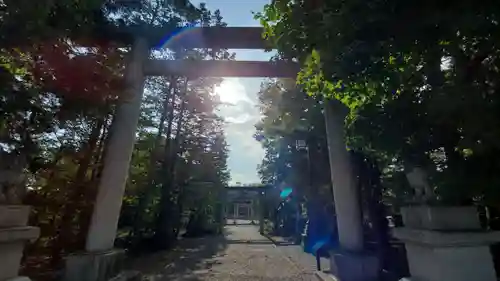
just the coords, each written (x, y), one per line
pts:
(241, 116)
(239, 112)
(239, 177)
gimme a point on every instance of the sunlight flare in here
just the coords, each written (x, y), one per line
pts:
(230, 91)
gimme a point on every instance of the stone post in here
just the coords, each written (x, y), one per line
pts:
(252, 203)
(261, 211)
(447, 243)
(350, 263)
(222, 210)
(345, 192)
(101, 261)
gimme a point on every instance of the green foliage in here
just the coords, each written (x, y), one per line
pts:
(290, 115)
(183, 142)
(61, 66)
(419, 78)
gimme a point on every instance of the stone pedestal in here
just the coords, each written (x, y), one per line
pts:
(13, 235)
(447, 243)
(97, 266)
(354, 266)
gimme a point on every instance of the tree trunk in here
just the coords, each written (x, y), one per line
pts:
(65, 238)
(145, 196)
(90, 192)
(173, 161)
(35, 218)
(164, 229)
(101, 151)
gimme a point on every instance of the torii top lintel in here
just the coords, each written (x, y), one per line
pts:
(215, 37)
(212, 37)
(251, 187)
(218, 38)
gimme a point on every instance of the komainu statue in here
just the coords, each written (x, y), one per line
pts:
(417, 178)
(12, 177)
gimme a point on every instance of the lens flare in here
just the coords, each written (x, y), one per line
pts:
(185, 36)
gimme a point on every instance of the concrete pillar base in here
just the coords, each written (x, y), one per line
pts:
(98, 266)
(348, 266)
(446, 243)
(20, 278)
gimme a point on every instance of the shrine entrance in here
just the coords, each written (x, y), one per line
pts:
(245, 205)
(103, 227)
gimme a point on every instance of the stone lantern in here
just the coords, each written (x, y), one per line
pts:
(14, 232)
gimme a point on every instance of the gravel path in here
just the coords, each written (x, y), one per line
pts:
(242, 254)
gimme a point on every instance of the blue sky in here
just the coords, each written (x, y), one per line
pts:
(245, 153)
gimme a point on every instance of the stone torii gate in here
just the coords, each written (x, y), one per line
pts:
(260, 192)
(99, 262)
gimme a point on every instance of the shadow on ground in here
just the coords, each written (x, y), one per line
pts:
(190, 256)
(280, 240)
(248, 242)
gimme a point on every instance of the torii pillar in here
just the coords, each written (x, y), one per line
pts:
(351, 263)
(101, 261)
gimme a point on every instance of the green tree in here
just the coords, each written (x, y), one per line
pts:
(418, 77)
(290, 115)
(61, 77)
(178, 129)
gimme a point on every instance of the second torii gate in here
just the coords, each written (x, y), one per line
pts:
(260, 192)
(104, 222)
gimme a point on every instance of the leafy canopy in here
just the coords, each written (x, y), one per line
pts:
(420, 79)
